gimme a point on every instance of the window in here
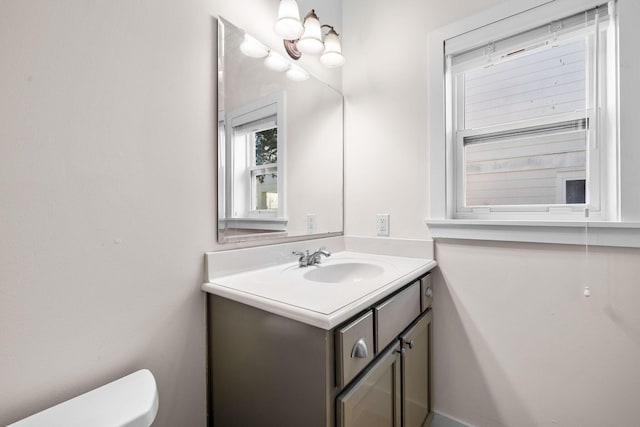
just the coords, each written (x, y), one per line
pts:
(530, 119)
(263, 166)
(254, 148)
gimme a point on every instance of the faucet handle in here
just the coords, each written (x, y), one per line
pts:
(303, 258)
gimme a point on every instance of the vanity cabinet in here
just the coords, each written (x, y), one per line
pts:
(372, 370)
(396, 389)
(416, 372)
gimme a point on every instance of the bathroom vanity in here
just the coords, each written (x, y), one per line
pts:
(340, 344)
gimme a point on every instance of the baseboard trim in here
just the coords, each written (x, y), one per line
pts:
(444, 420)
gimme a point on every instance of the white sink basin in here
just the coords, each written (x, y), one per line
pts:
(344, 273)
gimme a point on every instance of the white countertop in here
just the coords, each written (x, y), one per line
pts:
(283, 290)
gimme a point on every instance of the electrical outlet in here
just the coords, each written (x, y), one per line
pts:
(312, 223)
(382, 224)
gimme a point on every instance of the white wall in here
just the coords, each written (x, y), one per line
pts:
(106, 199)
(516, 343)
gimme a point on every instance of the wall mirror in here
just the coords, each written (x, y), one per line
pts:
(280, 144)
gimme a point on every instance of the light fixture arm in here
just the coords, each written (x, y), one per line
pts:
(291, 49)
(329, 26)
(311, 14)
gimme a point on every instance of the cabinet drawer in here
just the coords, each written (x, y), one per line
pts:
(426, 292)
(354, 348)
(393, 315)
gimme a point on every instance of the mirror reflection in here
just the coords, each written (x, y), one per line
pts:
(280, 144)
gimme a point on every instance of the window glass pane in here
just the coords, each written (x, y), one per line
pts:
(266, 146)
(525, 169)
(530, 85)
(575, 191)
(266, 191)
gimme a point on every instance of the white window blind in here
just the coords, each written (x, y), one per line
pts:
(255, 119)
(257, 125)
(469, 52)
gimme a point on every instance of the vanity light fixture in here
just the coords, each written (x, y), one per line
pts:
(308, 40)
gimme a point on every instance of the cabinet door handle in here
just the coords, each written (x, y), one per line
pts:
(428, 292)
(360, 350)
(410, 344)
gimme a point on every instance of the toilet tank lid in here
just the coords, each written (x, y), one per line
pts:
(130, 401)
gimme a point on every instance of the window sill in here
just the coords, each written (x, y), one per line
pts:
(619, 234)
(254, 223)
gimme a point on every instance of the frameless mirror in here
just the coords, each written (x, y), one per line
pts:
(280, 144)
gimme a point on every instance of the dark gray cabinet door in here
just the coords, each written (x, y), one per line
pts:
(374, 398)
(416, 381)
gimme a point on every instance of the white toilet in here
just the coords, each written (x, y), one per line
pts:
(131, 401)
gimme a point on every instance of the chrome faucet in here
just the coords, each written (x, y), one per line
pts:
(305, 258)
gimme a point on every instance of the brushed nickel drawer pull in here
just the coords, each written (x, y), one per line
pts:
(360, 349)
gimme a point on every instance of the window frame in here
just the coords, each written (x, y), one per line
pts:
(597, 173)
(624, 232)
(446, 172)
(255, 112)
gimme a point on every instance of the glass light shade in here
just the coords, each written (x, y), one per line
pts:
(311, 41)
(332, 55)
(288, 25)
(253, 48)
(276, 62)
(297, 74)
